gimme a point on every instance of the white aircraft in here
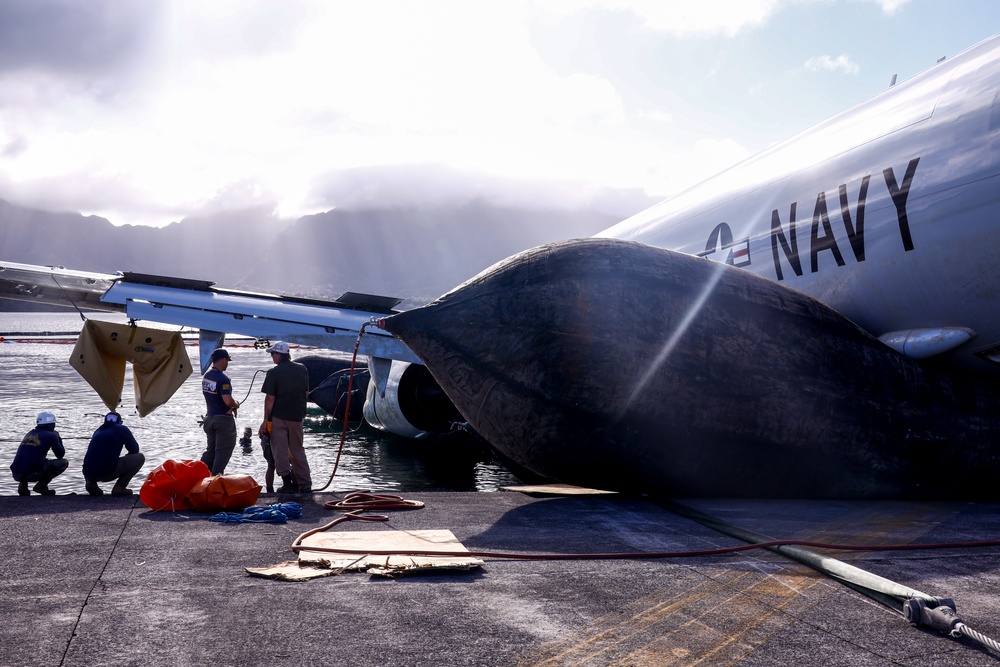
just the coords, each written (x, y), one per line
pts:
(818, 321)
(832, 328)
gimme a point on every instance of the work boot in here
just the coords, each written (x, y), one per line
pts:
(288, 484)
(42, 488)
(22, 489)
(93, 489)
(119, 490)
(305, 489)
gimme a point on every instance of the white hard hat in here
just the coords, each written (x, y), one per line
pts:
(45, 418)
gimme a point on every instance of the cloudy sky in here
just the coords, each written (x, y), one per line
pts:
(146, 112)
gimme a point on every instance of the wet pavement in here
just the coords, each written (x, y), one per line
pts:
(105, 581)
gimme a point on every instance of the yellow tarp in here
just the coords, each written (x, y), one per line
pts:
(159, 361)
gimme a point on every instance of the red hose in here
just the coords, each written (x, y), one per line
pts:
(347, 408)
(359, 501)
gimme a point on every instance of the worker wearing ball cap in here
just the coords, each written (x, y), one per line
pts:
(220, 419)
(286, 389)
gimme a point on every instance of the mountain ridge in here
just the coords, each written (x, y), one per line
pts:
(413, 253)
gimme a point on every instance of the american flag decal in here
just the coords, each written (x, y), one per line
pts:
(740, 254)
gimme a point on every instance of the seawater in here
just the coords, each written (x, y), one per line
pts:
(35, 375)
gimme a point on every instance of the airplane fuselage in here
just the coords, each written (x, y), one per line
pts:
(830, 359)
(888, 212)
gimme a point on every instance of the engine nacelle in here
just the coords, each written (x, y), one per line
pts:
(414, 405)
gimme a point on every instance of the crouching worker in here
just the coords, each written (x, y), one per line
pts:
(30, 464)
(102, 463)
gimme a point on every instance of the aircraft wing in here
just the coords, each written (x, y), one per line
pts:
(215, 311)
(56, 285)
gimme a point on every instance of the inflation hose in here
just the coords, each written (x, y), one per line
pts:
(769, 544)
(344, 400)
(355, 503)
(347, 406)
(252, 380)
(364, 500)
(916, 607)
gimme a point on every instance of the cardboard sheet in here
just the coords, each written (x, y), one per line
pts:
(312, 564)
(557, 490)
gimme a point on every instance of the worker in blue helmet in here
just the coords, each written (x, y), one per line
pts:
(104, 462)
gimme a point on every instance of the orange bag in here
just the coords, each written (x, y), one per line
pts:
(167, 487)
(224, 493)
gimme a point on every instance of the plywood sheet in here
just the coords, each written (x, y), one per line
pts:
(312, 564)
(557, 490)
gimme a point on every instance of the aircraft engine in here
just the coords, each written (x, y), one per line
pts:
(413, 406)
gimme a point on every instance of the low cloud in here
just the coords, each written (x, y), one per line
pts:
(14, 147)
(707, 17)
(891, 6)
(71, 37)
(841, 63)
(436, 185)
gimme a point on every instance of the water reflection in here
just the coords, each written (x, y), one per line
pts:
(36, 376)
(371, 459)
